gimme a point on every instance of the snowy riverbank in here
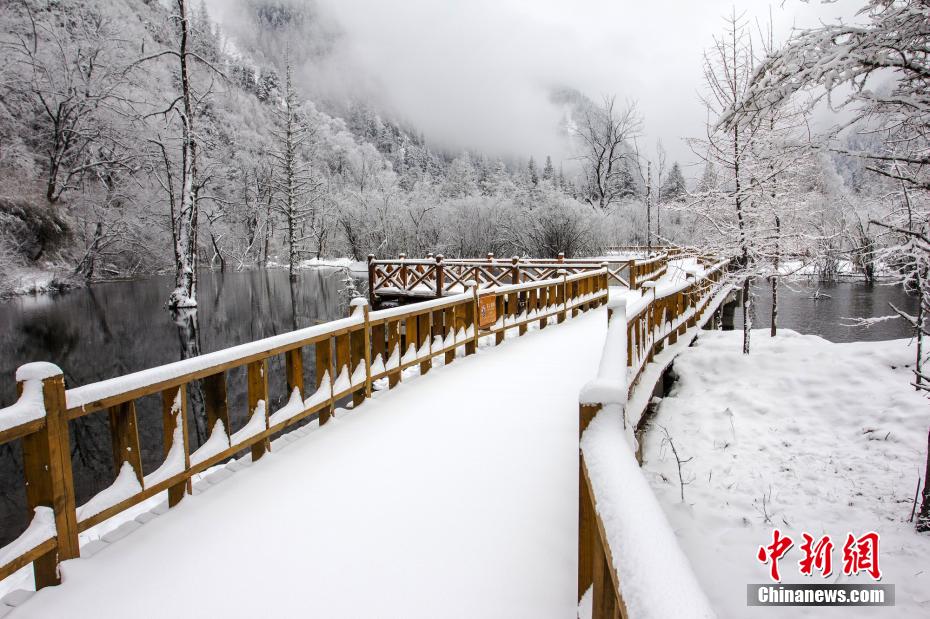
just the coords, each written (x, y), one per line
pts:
(804, 435)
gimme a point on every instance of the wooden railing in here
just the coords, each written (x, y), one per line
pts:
(645, 327)
(349, 355)
(673, 251)
(435, 277)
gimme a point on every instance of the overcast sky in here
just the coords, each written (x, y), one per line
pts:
(477, 73)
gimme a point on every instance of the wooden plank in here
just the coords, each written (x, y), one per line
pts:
(215, 402)
(11, 434)
(294, 369)
(257, 377)
(124, 437)
(46, 551)
(448, 327)
(324, 372)
(395, 343)
(173, 412)
(471, 322)
(423, 339)
(410, 336)
(343, 358)
(367, 350)
(50, 482)
(357, 356)
(159, 386)
(501, 311)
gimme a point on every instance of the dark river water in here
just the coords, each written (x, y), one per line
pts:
(110, 329)
(830, 314)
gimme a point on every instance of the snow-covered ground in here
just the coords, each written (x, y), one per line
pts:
(804, 435)
(454, 495)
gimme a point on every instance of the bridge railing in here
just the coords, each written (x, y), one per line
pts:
(610, 533)
(350, 356)
(435, 277)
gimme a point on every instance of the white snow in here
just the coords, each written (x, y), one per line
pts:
(656, 580)
(295, 405)
(255, 425)
(37, 370)
(802, 434)
(323, 393)
(343, 381)
(29, 407)
(420, 503)
(40, 529)
(216, 444)
(174, 461)
(123, 487)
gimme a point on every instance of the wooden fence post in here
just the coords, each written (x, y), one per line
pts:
(515, 270)
(371, 279)
(471, 319)
(174, 415)
(215, 402)
(563, 292)
(587, 526)
(324, 372)
(360, 350)
(403, 271)
(124, 437)
(257, 376)
(440, 279)
(47, 469)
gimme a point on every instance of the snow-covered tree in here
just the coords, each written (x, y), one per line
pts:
(604, 134)
(297, 198)
(878, 74)
(674, 188)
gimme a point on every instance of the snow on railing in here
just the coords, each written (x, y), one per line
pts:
(438, 276)
(629, 562)
(349, 356)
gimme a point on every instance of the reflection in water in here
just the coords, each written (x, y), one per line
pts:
(115, 328)
(830, 315)
(110, 329)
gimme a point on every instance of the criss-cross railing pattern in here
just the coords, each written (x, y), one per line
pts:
(436, 276)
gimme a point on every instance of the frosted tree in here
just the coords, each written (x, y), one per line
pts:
(532, 172)
(548, 173)
(674, 188)
(295, 188)
(604, 133)
(848, 68)
(723, 208)
(181, 179)
(75, 87)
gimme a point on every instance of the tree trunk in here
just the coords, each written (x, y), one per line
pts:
(774, 329)
(923, 518)
(747, 319)
(185, 292)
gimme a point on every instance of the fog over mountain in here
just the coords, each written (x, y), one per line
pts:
(479, 74)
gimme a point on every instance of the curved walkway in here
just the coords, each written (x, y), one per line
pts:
(454, 495)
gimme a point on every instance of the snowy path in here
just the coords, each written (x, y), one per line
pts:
(454, 495)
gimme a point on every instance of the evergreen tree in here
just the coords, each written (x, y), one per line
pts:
(548, 171)
(674, 187)
(532, 172)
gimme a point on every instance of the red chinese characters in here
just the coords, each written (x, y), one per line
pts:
(861, 555)
(775, 551)
(817, 556)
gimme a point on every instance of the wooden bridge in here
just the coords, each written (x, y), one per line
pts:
(403, 280)
(479, 303)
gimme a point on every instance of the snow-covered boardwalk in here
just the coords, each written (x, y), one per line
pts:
(453, 495)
